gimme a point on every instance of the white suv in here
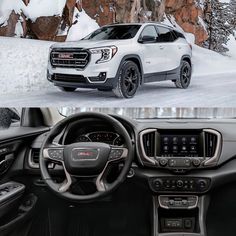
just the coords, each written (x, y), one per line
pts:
(121, 57)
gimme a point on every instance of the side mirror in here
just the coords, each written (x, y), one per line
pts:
(8, 116)
(147, 39)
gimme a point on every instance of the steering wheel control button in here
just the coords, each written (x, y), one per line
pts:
(116, 153)
(55, 154)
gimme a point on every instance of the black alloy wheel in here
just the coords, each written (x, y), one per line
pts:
(128, 81)
(185, 76)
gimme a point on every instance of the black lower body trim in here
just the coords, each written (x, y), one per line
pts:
(161, 76)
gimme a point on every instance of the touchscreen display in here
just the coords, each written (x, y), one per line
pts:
(176, 145)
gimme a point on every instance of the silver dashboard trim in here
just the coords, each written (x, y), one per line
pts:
(213, 160)
(141, 134)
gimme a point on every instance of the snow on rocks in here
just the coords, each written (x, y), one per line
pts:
(83, 26)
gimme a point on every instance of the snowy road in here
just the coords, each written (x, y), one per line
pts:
(205, 91)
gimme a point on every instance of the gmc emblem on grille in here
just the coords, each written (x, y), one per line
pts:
(65, 55)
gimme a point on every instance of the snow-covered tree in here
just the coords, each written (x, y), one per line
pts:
(217, 17)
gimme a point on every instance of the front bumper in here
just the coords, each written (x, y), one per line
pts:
(92, 76)
(80, 81)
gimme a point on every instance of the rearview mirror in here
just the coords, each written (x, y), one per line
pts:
(8, 116)
(148, 39)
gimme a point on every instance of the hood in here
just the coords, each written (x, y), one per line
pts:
(91, 44)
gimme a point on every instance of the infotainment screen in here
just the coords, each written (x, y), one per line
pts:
(176, 144)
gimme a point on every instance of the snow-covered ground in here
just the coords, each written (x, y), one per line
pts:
(23, 64)
(205, 91)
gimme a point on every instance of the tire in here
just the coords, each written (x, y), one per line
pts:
(67, 89)
(185, 76)
(128, 80)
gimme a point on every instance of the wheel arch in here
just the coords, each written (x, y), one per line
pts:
(187, 58)
(137, 60)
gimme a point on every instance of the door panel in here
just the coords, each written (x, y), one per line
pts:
(153, 54)
(173, 50)
(15, 205)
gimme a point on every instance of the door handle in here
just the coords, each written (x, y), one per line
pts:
(179, 47)
(162, 47)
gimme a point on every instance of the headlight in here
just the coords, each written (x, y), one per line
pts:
(51, 48)
(107, 53)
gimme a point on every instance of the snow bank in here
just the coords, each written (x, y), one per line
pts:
(207, 62)
(37, 8)
(23, 65)
(84, 26)
(231, 45)
(33, 10)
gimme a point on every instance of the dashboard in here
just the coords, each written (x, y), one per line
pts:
(166, 151)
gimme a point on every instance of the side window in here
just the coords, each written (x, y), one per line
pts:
(178, 34)
(165, 35)
(149, 31)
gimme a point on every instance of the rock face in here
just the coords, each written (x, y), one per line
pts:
(186, 13)
(103, 11)
(45, 28)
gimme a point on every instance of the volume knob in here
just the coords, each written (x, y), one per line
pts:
(196, 162)
(163, 162)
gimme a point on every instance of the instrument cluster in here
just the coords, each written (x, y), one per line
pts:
(101, 136)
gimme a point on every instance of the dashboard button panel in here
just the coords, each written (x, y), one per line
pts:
(178, 202)
(179, 184)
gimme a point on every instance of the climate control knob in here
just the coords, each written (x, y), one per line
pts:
(163, 162)
(196, 162)
(180, 183)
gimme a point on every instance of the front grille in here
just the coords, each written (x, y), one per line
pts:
(69, 78)
(69, 58)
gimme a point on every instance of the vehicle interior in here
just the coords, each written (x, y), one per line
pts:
(92, 173)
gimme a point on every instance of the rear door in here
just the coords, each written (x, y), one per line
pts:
(153, 57)
(168, 43)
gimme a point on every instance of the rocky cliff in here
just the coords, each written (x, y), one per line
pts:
(188, 14)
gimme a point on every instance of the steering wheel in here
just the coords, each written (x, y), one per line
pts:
(86, 159)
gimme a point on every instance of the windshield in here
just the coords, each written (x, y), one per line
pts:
(114, 32)
(160, 113)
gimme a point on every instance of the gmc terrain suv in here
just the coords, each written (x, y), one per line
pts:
(121, 57)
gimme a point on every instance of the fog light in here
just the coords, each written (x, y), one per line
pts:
(100, 78)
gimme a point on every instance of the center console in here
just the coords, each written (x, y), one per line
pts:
(179, 203)
(178, 215)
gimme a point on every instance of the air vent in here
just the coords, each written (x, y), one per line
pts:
(35, 155)
(211, 143)
(149, 143)
(34, 158)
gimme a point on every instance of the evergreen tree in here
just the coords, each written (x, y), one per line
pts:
(217, 17)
